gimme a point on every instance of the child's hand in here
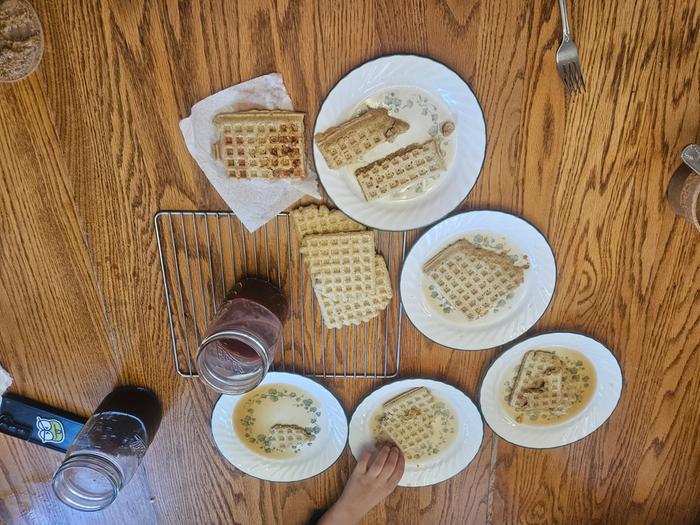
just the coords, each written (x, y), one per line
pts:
(375, 477)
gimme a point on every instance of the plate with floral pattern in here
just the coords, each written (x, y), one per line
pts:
(603, 378)
(438, 105)
(289, 428)
(438, 319)
(457, 425)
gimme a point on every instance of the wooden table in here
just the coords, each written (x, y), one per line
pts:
(91, 150)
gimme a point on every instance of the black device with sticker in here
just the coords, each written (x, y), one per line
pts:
(38, 423)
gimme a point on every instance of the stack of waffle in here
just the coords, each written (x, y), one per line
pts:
(351, 282)
(408, 421)
(541, 386)
(261, 144)
(473, 279)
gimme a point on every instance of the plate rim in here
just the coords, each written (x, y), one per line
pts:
(344, 443)
(567, 332)
(429, 380)
(367, 62)
(549, 303)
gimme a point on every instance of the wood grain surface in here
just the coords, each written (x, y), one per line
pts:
(90, 150)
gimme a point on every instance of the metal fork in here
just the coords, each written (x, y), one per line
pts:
(568, 63)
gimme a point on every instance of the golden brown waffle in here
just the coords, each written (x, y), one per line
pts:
(399, 169)
(314, 220)
(341, 265)
(260, 144)
(540, 385)
(473, 279)
(345, 144)
(408, 421)
(338, 312)
(288, 437)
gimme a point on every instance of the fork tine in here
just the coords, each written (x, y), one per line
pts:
(574, 77)
(581, 81)
(570, 86)
(564, 77)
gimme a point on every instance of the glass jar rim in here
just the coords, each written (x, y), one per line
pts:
(70, 494)
(232, 386)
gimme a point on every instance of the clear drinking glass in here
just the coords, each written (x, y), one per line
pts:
(240, 344)
(108, 450)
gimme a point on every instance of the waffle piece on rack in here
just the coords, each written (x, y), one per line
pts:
(399, 169)
(314, 220)
(341, 265)
(289, 437)
(261, 144)
(347, 143)
(338, 312)
(540, 384)
(473, 279)
(408, 421)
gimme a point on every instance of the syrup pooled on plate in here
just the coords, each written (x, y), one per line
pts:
(277, 421)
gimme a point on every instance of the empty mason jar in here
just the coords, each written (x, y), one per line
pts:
(240, 343)
(109, 449)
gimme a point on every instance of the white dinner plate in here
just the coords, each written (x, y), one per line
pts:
(603, 403)
(470, 431)
(504, 323)
(424, 93)
(324, 451)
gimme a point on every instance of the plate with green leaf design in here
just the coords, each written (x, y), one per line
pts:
(435, 105)
(289, 428)
(440, 432)
(444, 312)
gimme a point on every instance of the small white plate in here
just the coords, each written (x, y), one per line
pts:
(530, 300)
(407, 85)
(598, 410)
(470, 431)
(326, 449)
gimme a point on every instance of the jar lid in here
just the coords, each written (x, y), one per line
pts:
(232, 361)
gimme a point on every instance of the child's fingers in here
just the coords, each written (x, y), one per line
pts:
(390, 464)
(398, 471)
(378, 463)
(363, 462)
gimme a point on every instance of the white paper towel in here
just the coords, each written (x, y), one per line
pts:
(5, 381)
(254, 201)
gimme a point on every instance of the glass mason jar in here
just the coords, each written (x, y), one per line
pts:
(240, 343)
(109, 449)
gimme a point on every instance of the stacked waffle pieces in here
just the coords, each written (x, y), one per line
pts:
(261, 144)
(347, 143)
(351, 282)
(408, 421)
(540, 385)
(399, 169)
(473, 279)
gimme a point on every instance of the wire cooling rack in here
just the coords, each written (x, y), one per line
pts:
(203, 254)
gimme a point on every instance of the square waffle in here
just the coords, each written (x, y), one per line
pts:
(338, 312)
(341, 265)
(473, 279)
(540, 384)
(345, 144)
(261, 144)
(313, 220)
(399, 169)
(288, 437)
(408, 421)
